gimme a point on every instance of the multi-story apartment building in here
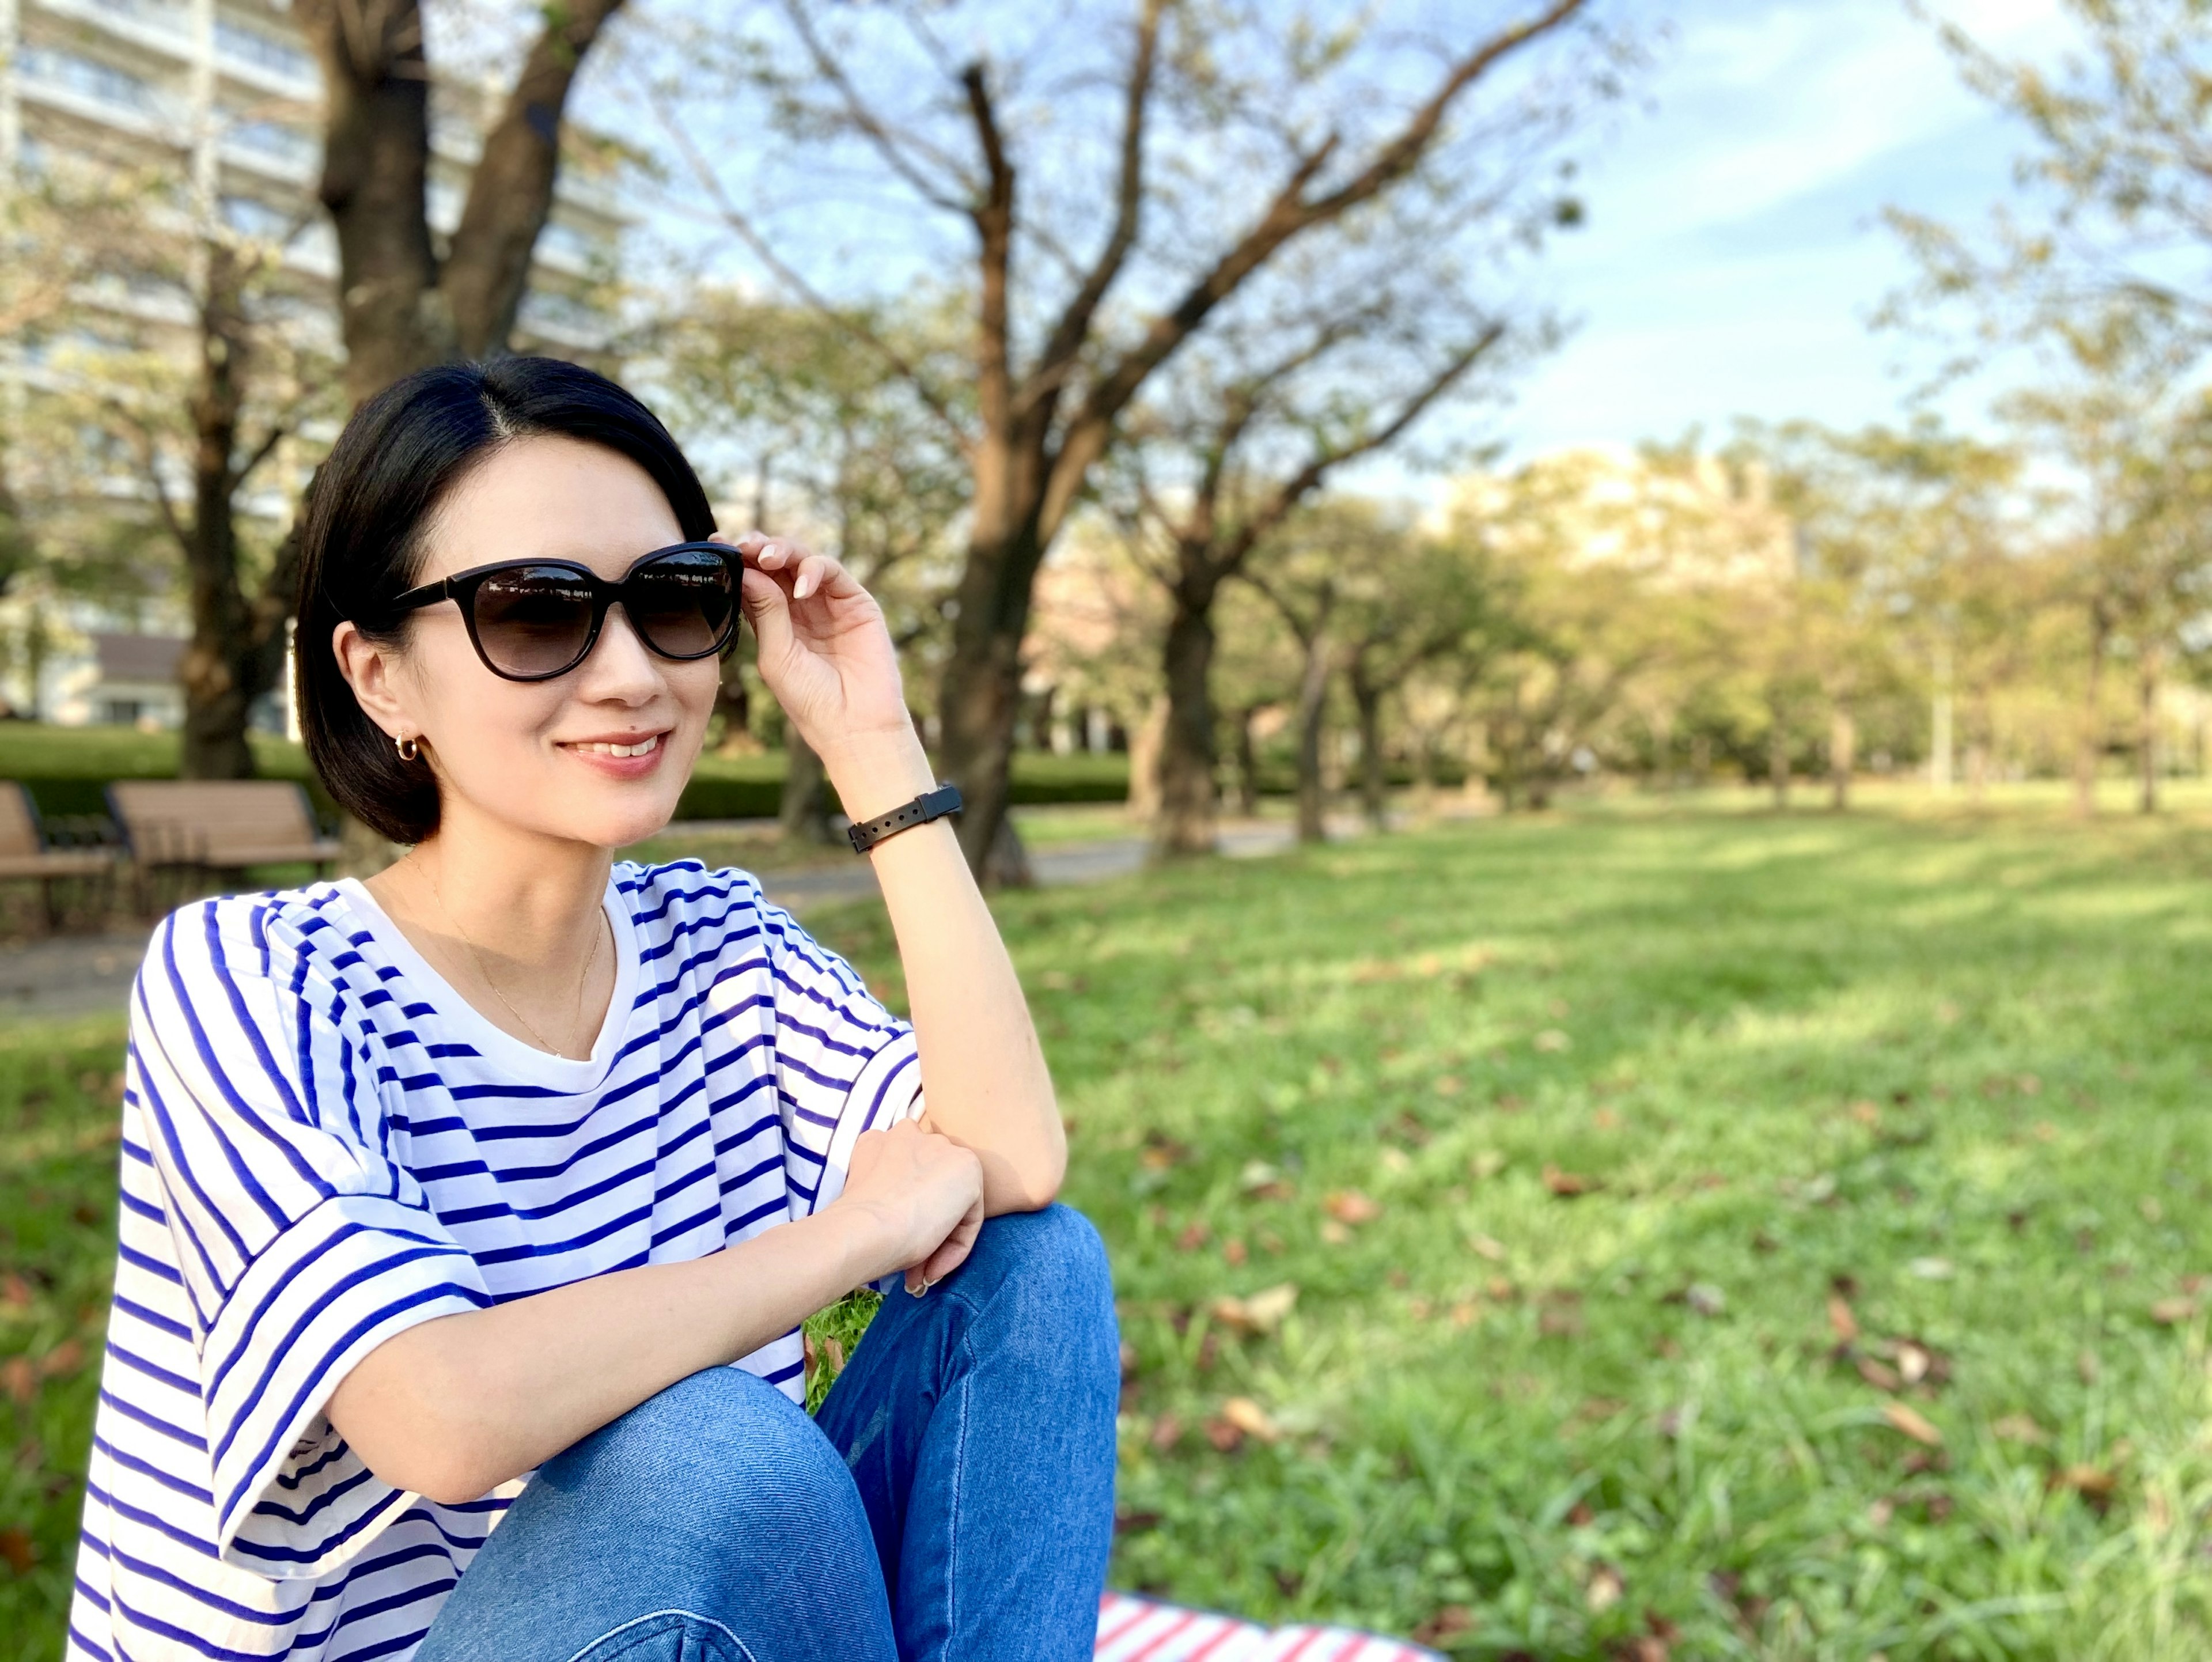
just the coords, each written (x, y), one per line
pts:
(226, 91)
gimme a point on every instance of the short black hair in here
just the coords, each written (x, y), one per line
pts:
(361, 537)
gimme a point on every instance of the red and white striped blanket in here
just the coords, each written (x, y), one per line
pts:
(1132, 1629)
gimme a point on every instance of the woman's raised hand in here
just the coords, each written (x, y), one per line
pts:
(923, 1192)
(824, 650)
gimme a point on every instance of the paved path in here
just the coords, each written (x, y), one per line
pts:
(88, 974)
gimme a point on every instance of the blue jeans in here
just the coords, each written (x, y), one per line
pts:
(954, 1498)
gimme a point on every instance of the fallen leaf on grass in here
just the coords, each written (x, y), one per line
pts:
(1551, 1041)
(20, 1379)
(1451, 1620)
(1234, 1251)
(1841, 1322)
(1195, 1235)
(1167, 1432)
(1603, 1589)
(1880, 1375)
(1261, 1313)
(1705, 1298)
(1485, 1166)
(1248, 1417)
(15, 1292)
(1484, 1247)
(1135, 1523)
(1349, 1206)
(2172, 1313)
(1225, 1436)
(1912, 1424)
(1161, 1152)
(2020, 1428)
(1565, 1324)
(2094, 1484)
(1933, 1270)
(16, 1548)
(1567, 1185)
(1261, 1181)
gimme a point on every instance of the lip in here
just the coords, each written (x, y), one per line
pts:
(610, 765)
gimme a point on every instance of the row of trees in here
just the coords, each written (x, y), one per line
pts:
(1150, 212)
(1157, 276)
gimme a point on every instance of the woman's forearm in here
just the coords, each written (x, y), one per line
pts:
(982, 1070)
(455, 1407)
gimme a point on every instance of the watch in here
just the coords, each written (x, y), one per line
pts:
(930, 805)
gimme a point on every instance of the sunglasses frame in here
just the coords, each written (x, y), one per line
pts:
(461, 589)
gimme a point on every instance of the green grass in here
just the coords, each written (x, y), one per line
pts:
(1947, 1071)
(1953, 1076)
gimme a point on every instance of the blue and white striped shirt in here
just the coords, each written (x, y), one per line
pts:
(323, 1144)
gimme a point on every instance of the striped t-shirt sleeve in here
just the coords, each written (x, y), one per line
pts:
(844, 1063)
(303, 1245)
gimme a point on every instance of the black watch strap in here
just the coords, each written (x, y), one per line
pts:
(930, 805)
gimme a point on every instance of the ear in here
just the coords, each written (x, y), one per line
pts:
(371, 670)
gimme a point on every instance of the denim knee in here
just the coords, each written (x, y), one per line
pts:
(726, 1449)
(1050, 1265)
(667, 1636)
(1058, 1245)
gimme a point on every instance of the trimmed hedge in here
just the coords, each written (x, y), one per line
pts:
(68, 770)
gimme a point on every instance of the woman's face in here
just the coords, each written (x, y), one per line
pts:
(559, 758)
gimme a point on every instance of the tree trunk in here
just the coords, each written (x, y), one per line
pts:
(399, 309)
(1188, 802)
(1146, 744)
(979, 698)
(1843, 756)
(1313, 706)
(1374, 785)
(215, 670)
(2146, 732)
(2090, 750)
(1777, 762)
(1248, 764)
(804, 811)
(733, 702)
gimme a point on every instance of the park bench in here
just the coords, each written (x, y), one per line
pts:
(218, 827)
(27, 856)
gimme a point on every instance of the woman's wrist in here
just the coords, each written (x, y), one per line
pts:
(860, 1241)
(876, 772)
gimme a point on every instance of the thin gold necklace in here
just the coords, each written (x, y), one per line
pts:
(483, 970)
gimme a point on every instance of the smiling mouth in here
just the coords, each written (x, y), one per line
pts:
(600, 747)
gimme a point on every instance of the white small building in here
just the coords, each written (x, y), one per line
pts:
(129, 681)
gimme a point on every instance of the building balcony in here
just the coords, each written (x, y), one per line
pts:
(165, 29)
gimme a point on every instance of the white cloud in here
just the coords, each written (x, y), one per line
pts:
(1732, 254)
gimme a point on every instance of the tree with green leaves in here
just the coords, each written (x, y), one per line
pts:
(184, 372)
(1116, 179)
(792, 409)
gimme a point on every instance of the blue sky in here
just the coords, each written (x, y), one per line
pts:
(1733, 250)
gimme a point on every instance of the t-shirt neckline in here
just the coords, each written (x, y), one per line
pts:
(464, 1021)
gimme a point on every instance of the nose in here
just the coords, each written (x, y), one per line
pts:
(619, 669)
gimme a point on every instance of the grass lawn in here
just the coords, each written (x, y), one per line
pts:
(1712, 1233)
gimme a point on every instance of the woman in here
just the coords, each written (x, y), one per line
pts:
(449, 1197)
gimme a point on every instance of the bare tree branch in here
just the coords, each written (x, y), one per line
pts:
(872, 127)
(1288, 215)
(1066, 343)
(804, 291)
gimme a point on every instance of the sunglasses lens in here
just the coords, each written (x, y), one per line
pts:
(683, 603)
(533, 620)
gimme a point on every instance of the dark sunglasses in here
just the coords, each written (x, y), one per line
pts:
(531, 620)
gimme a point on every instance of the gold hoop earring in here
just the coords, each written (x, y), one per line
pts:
(407, 749)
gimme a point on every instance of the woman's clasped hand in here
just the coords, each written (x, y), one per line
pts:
(922, 1196)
